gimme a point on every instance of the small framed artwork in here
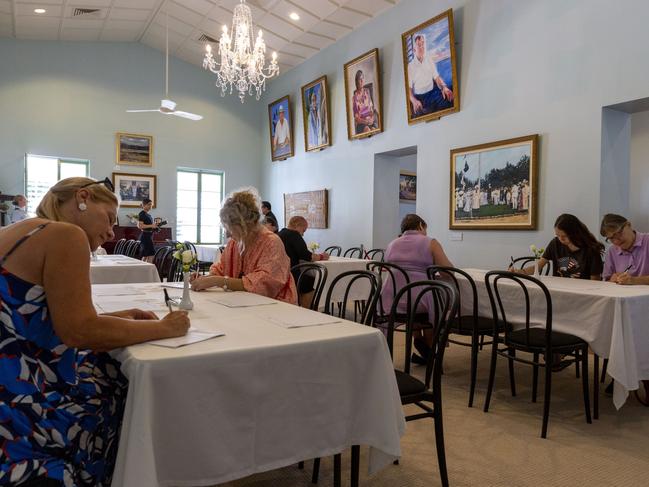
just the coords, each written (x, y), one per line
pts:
(363, 96)
(133, 188)
(407, 187)
(430, 72)
(316, 115)
(134, 149)
(280, 124)
(312, 205)
(495, 186)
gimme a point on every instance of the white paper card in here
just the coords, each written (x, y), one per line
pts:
(240, 299)
(193, 336)
(295, 317)
(173, 285)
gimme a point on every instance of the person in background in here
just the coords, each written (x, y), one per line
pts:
(19, 210)
(61, 396)
(266, 209)
(626, 262)
(147, 225)
(574, 252)
(297, 251)
(271, 224)
(414, 251)
(254, 259)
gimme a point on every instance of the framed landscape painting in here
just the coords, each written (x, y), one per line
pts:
(430, 72)
(280, 124)
(407, 187)
(133, 188)
(134, 149)
(495, 186)
(363, 96)
(316, 115)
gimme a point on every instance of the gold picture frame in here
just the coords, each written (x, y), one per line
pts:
(317, 125)
(366, 99)
(495, 186)
(131, 189)
(437, 37)
(276, 110)
(134, 149)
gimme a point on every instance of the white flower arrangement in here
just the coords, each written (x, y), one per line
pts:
(537, 251)
(185, 256)
(313, 246)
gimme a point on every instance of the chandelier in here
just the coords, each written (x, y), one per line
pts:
(242, 65)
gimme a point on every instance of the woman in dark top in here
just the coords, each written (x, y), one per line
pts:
(145, 223)
(574, 252)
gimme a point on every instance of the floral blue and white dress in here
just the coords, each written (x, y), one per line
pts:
(60, 408)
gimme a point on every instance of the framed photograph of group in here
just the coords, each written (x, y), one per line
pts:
(134, 149)
(494, 186)
(430, 71)
(363, 96)
(133, 188)
(280, 123)
(316, 115)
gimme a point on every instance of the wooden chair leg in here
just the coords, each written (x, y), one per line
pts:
(439, 443)
(512, 381)
(584, 372)
(316, 471)
(337, 470)
(300, 465)
(356, 461)
(492, 375)
(546, 400)
(474, 368)
(535, 377)
(595, 386)
(577, 360)
(604, 367)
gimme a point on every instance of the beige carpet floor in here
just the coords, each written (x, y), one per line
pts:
(503, 447)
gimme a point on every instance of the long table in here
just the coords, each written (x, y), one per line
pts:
(259, 398)
(336, 266)
(613, 319)
(115, 269)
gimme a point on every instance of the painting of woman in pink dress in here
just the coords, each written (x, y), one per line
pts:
(362, 92)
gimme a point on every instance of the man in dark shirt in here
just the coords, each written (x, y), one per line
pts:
(266, 210)
(297, 251)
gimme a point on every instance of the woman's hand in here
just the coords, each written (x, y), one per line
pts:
(203, 282)
(624, 278)
(177, 323)
(194, 275)
(133, 314)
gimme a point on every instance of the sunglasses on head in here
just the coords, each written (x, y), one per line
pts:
(106, 182)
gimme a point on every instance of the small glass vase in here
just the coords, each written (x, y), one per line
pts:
(186, 302)
(536, 274)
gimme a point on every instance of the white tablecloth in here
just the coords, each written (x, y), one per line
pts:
(208, 253)
(259, 398)
(338, 265)
(613, 319)
(116, 269)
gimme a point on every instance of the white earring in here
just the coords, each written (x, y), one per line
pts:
(83, 207)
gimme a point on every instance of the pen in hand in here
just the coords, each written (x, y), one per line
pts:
(168, 301)
(627, 268)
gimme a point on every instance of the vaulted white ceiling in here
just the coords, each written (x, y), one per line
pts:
(321, 23)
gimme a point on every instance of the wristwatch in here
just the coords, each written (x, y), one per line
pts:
(225, 283)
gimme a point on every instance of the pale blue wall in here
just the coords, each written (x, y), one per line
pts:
(69, 99)
(525, 66)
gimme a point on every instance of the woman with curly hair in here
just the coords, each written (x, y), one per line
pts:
(254, 259)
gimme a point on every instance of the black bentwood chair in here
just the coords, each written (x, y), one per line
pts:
(537, 341)
(353, 253)
(318, 273)
(375, 254)
(522, 262)
(470, 324)
(334, 250)
(119, 246)
(348, 281)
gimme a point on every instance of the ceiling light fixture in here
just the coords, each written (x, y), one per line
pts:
(39, 10)
(242, 65)
(294, 16)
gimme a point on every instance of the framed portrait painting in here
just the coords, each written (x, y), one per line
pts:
(407, 187)
(316, 115)
(280, 124)
(495, 186)
(133, 188)
(134, 149)
(363, 96)
(430, 72)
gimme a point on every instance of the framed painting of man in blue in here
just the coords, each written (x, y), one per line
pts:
(316, 115)
(280, 124)
(430, 71)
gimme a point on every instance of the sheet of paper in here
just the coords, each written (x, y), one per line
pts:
(173, 285)
(192, 336)
(295, 317)
(240, 299)
(118, 291)
(109, 304)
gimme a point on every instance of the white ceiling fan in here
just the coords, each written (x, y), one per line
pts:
(167, 106)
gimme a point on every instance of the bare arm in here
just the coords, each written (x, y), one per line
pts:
(141, 225)
(439, 257)
(67, 283)
(529, 270)
(204, 282)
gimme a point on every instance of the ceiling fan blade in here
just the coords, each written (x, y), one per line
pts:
(190, 116)
(142, 111)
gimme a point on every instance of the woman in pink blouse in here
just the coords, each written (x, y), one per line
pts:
(254, 259)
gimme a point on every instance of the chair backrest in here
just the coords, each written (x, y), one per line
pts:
(522, 262)
(444, 300)
(354, 252)
(375, 254)
(175, 273)
(349, 280)
(389, 273)
(334, 250)
(132, 246)
(450, 275)
(496, 280)
(159, 260)
(119, 246)
(318, 273)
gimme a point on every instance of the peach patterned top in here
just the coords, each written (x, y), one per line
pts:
(264, 267)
